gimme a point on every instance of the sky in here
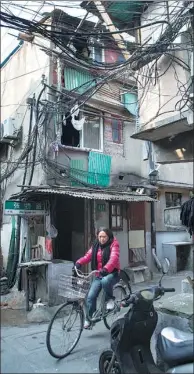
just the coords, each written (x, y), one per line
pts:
(9, 42)
(29, 10)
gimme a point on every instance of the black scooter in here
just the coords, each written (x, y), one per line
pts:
(131, 337)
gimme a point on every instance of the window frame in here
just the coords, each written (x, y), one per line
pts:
(101, 130)
(81, 140)
(179, 196)
(111, 215)
(94, 54)
(119, 129)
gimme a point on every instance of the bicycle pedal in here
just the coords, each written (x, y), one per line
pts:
(90, 327)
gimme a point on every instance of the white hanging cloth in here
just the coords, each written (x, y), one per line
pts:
(77, 124)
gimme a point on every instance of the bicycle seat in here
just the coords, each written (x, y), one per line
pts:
(176, 347)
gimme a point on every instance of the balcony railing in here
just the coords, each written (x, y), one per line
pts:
(85, 168)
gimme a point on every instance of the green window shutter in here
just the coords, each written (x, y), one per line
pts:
(99, 167)
(75, 78)
(77, 172)
(130, 102)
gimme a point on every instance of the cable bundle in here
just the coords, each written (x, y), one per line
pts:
(187, 215)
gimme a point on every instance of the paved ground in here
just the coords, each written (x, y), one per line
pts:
(23, 348)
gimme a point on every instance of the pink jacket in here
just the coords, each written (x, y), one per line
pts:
(114, 260)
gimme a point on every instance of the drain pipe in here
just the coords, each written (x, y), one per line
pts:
(153, 173)
(153, 225)
(159, 266)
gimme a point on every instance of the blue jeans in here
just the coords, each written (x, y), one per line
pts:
(107, 284)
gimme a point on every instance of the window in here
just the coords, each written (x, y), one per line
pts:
(173, 199)
(116, 217)
(98, 54)
(92, 133)
(3, 152)
(116, 130)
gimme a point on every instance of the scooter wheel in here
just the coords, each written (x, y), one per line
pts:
(104, 362)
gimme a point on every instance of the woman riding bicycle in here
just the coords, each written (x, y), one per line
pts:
(104, 256)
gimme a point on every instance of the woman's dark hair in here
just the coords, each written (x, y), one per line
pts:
(108, 232)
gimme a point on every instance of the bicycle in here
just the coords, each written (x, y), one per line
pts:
(75, 290)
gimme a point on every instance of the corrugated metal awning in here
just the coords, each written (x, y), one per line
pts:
(88, 194)
(176, 185)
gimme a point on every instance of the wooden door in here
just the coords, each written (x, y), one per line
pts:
(136, 219)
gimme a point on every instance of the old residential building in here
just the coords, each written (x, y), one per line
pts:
(166, 120)
(84, 168)
(165, 99)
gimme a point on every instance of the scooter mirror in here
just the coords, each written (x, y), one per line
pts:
(165, 265)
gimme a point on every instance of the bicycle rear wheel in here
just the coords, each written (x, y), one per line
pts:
(67, 323)
(119, 293)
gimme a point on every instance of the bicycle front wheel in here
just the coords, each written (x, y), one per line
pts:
(66, 325)
(105, 359)
(119, 293)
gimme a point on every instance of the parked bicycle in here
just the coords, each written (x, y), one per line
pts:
(69, 317)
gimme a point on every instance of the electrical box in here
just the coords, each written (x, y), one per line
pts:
(8, 129)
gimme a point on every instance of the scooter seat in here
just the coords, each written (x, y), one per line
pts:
(176, 347)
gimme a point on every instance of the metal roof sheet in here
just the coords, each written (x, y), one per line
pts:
(92, 194)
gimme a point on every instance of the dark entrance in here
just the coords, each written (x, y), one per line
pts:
(69, 221)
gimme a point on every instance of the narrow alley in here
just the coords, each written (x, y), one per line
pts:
(23, 347)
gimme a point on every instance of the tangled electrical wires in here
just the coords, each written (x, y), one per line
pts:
(69, 33)
(187, 215)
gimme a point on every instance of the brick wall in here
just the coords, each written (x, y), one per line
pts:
(127, 155)
(111, 148)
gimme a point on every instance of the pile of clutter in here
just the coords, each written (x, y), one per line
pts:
(4, 286)
(13, 300)
(3, 279)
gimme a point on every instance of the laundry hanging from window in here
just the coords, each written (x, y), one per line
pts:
(90, 135)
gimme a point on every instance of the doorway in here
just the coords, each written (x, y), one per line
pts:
(69, 221)
(137, 246)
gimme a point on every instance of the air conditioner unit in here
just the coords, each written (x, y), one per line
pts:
(190, 117)
(8, 129)
(191, 95)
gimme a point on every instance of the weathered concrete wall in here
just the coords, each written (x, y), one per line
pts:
(170, 237)
(127, 156)
(163, 93)
(171, 173)
(177, 148)
(177, 173)
(180, 256)
(20, 79)
(161, 205)
(164, 234)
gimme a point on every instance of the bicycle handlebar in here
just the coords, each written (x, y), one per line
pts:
(169, 289)
(84, 276)
(159, 291)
